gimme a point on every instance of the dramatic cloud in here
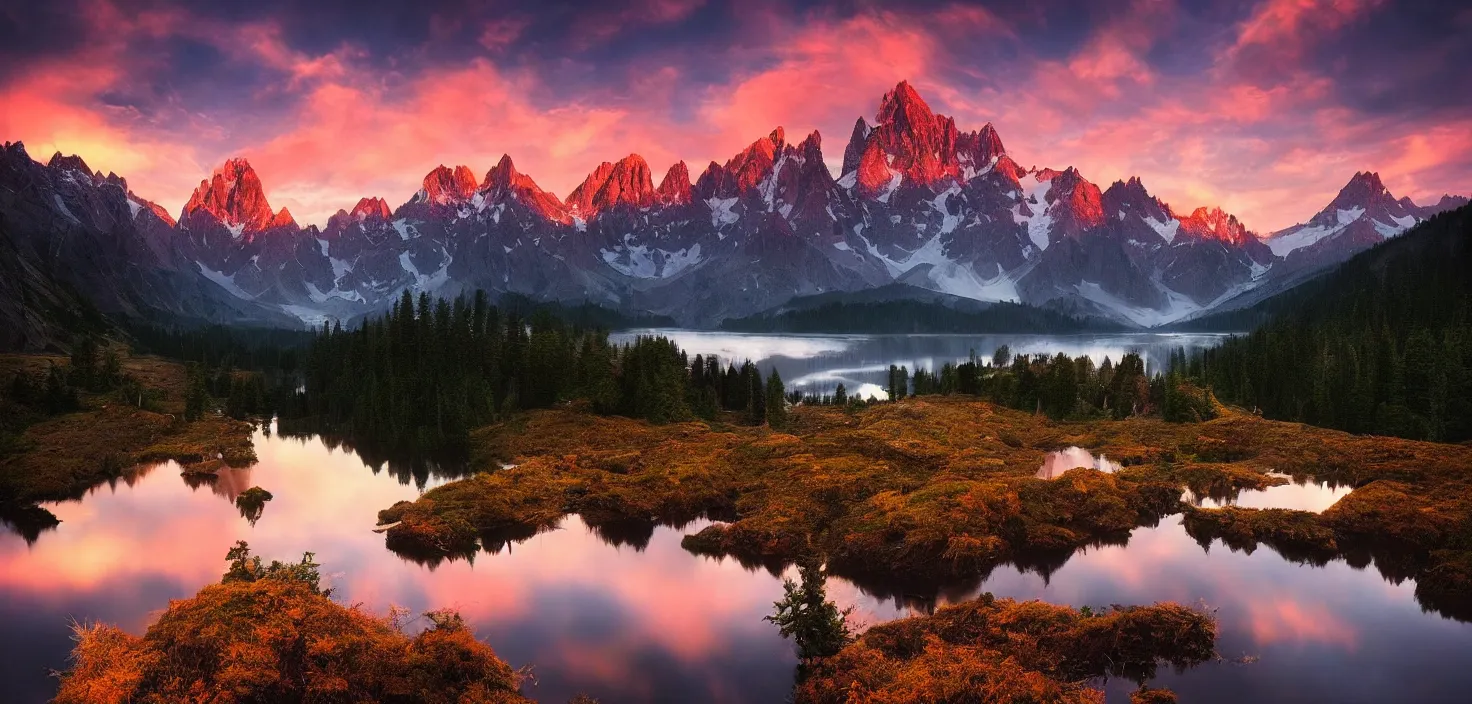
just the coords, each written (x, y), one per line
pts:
(1265, 108)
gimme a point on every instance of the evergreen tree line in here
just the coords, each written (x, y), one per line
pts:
(427, 372)
(92, 368)
(218, 347)
(1060, 386)
(1383, 345)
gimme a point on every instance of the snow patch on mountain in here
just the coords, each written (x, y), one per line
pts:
(891, 187)
(407, 264)
(948, 275)
(1166, 230)
(1348, 216)
(403, 228)
(720, 211)
(311, 316)
(1039, 222)
(61, 207)
(948, 221)
(223, 281)
(339, 268)
(427, 282)
(644, 262)
(318, 296)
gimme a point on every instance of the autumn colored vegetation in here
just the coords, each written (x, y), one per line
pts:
(270, 633)
(68, 424)
(1000, 650)
(939, 488)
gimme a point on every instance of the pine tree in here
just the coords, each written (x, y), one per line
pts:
(776, 394)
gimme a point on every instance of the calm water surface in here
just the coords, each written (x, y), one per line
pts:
(819, 363)
(634, 618)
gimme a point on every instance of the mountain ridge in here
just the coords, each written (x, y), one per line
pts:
(920, 202)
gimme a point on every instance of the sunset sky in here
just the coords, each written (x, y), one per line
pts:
(1264, 108)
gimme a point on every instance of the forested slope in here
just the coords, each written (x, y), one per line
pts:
(1381, 345)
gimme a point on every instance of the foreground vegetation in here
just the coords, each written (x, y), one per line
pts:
(938, 488)
(1000, 650)
(985, 649)
(270, 633)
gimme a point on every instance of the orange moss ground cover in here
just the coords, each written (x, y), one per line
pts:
(277, 640)
(1000, 650)
(936, 488)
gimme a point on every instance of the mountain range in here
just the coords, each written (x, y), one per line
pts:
(918, 202)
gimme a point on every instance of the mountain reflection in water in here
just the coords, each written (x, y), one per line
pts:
(622, 613)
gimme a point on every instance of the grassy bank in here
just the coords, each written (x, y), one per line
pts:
(941, 488)
(63, 456)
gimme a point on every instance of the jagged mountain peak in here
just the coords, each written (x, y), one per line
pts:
(69, 163)
(1129, 197)
(1447, 202)
(446, 186)
(1074, 203)
(991, 138)
(233, 196)
(1215, 224)
(904, 107)
(675, 187)
(283, 218)
(744, 171)
(855, 150)
(502, 175)
(371, 208)
(626, 182)
(504, 183)
(1365, 190)
(811, 144)
(1370, 180)
(1362, 213)
(911, 143)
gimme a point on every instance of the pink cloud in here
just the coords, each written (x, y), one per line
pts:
(499, 34)
(595, 26)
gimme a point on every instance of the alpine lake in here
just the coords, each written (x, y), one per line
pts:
(630, 616)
